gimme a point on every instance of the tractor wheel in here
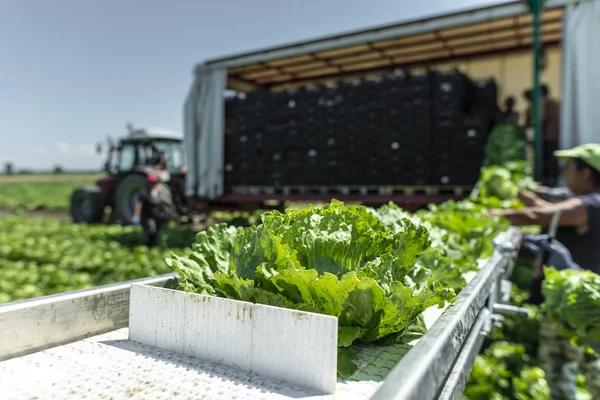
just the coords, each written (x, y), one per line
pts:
(127, 195)
(87, 205)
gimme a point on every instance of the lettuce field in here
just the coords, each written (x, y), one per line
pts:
(41, 256)
(51, 192)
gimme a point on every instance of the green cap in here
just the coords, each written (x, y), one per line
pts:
(589, 153)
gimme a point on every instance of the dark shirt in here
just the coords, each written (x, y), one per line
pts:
(585, 247)
(151, 206)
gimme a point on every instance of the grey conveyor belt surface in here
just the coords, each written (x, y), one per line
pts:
(110, 366)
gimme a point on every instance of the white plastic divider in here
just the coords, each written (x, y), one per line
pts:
(296, 347)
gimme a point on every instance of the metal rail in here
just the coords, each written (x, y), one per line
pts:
(446, 352)
(458, 377)
(38, 324)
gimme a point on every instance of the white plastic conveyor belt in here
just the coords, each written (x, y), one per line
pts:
(76, 346)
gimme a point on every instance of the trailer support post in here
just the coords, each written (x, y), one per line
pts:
(536, 7)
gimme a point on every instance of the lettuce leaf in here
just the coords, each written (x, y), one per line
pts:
(337, 260)
(573, 297)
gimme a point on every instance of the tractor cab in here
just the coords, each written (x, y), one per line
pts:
(144, 150)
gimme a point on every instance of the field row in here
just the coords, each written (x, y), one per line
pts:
(48, 194)
(41, 256)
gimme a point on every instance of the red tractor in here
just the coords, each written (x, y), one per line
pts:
(127, 165)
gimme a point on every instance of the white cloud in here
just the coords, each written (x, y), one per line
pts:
(63, 147)
(77, 150)
(43, 157)
(40, 151)
(86, 149)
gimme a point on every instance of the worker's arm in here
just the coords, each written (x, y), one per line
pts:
(138, 208)
(542, 190)
(531, 199)
(553, 194)
(137, 211)
(573, 213)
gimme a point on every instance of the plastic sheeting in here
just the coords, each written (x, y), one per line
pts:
(580, 117)
(204, 124)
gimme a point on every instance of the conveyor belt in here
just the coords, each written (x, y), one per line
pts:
(110, 366)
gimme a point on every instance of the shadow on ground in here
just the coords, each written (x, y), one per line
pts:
(179, 236)
(172, 238)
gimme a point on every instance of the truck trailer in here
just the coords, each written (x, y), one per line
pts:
(397, 113)
(487, 43)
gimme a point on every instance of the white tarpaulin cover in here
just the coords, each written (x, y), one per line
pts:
(204, 127)
(580, 116)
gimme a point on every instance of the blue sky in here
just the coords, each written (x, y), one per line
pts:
(74, 71)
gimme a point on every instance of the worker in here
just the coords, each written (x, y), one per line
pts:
(579, 231)
(509, 115)
(150, 210)
(550, 127)
(158, 162)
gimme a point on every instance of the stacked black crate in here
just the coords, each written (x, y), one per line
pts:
(312, 146)
(252, 141)
(478, 124)
(245, 145)
(302, 125)
(411, 130)
(406, 129)
(232, 174)
(419, 129)
(454, 159)
(274, 133)
(345, 137)
(395, 146)
(325, 154)
(366, 138)
(475, 131)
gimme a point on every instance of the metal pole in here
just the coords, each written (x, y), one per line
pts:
(536, 7)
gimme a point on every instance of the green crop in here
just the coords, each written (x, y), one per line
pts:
(41, 256)
(49, 195)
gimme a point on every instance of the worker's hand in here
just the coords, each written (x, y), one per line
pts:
(135, 220)
(532, 242)
(496, 212)
(527, 197)
(559, 256)
(543, 190)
